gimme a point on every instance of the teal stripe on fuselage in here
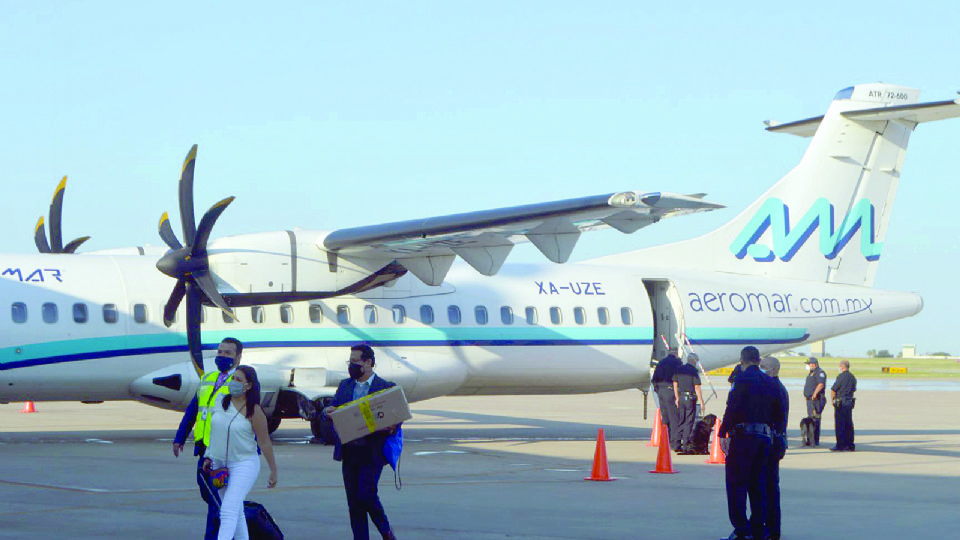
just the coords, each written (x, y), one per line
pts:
(290, 336)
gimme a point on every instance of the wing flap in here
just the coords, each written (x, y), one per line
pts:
(427, 247)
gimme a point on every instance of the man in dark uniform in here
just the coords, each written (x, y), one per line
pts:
(662, 380)
(842, 395)
(753, 408)
(686, 386)
(815, 390)
(771, 366)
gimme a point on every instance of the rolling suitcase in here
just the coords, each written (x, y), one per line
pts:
(260, 524)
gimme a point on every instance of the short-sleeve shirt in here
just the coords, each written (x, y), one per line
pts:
(814, 378)
(686, 377)
(665, 370)
(845, 385)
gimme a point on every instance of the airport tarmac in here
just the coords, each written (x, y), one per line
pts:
(487, 468)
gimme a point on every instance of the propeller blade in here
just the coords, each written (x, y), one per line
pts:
(170, 309)
(74, 244)
(206, 226)
(186, 197)
(209, 288)
(166, 233)
(56, 213)
(193, 325)
(40, 237)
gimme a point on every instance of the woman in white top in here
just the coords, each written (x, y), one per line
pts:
(235, 429)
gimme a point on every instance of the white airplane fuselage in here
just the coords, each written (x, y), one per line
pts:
(562, 346)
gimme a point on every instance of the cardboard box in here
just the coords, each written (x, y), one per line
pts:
(370, 413)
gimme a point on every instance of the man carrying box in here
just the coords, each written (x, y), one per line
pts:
(362, 459)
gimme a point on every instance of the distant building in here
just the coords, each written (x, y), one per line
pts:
(909, 351)
(818, 349)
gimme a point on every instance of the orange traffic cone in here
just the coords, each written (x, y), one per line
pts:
(664, 463)
(28, 407)
(600, 471)
(655, 433)
(717, 457)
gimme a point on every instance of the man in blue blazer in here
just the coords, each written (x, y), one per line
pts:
(362, 459)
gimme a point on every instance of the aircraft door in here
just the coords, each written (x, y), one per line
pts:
(668, 323)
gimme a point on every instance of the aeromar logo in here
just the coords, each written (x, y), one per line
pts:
(787, 240)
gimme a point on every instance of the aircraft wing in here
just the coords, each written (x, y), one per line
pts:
(427, 247)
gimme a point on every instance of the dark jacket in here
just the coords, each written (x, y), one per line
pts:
(754, 399)
(345, 395)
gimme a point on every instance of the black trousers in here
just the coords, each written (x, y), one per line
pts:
(815, 412)
(747, 465)
(687, 415)
(773, 487)
(843, 417)
(669, 413)
(360, 478)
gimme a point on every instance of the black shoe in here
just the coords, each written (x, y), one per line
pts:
(837, 449)
(734, 536)
(851, 448)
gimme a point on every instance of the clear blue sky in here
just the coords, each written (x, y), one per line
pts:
(324, 116)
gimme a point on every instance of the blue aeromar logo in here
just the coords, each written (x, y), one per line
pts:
(775, 215)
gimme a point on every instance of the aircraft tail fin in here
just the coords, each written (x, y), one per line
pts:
(826, 220)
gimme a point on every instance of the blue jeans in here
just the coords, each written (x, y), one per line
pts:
(211, 497)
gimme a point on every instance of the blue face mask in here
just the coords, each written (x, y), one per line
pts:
(224, 363)
(235, 388)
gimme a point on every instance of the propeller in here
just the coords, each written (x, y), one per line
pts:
(187, 262)
(56, 230)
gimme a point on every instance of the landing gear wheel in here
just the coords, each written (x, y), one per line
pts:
(273, 423)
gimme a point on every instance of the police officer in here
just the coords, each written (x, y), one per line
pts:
(753, 409)
(842, 395)
(662, 380)
(771, 366)
(213, 386)
(815, 390)
(686, 387)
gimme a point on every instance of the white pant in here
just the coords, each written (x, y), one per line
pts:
(243, 474)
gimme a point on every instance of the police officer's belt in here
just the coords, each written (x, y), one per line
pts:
(753, 429)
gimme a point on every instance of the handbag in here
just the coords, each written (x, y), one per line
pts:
(219, 477)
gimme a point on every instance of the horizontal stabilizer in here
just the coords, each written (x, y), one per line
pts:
(915, 112)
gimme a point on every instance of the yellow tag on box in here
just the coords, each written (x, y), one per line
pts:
(370, 413)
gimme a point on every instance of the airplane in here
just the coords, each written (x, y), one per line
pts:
(795, 266)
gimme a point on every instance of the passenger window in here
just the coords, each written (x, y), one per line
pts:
(481, 314)
(49, 312)
(19, 312)
(110, 313)
(506, 315)
(286, 313)
(399, 314)
(426, 314)
(80, 314)
(626, 314)
(140, 313)
(555, 315)
(256, 314)
(343, 314)
(531, 315)
(316, 313)
(579, 315)
(226, 316)
(370, 314)
(453, 314)
(603, 315)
